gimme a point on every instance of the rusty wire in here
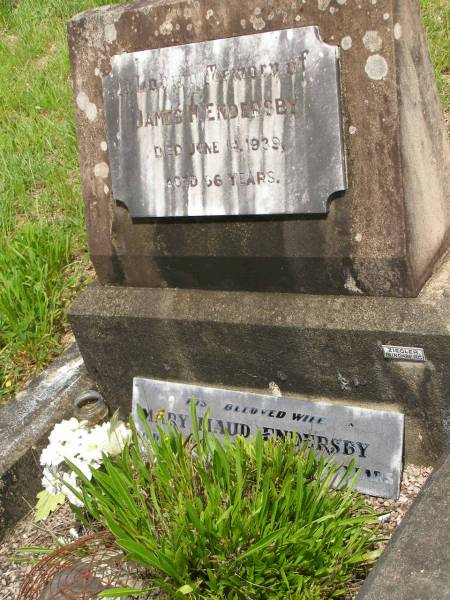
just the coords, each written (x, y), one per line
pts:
(80, 571)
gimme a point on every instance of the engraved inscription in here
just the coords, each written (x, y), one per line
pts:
(404, 353)
(369, 440)
(238, 126)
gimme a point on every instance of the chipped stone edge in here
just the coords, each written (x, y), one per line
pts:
(24, 426)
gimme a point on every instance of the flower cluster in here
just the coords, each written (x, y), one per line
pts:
(84, 447)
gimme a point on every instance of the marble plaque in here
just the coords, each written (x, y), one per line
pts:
(372, 438)
(249, 125)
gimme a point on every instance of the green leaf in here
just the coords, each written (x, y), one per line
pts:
(46, 504)
(34, 550)
(258, 455)
(114, 422)
(262, 543)
(185, 589)
(121, 592)
(194, 421)
(368, 557)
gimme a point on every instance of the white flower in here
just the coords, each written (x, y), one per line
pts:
(52, 455)
(64, 442)
(93, 445)
(71, 440)
(74, 444)
(71, 479)
(66, 430)
(117, 439)
(51, 481)
(84, 467)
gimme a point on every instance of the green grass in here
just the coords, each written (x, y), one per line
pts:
(249, 520)
(40, 198)
(32, 285)
(436, 16)
(43, 258)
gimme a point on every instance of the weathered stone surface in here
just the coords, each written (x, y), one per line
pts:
(24, 427)
(249, 125)
(414, 566)
(318, 347)
(380, 238)
(372, 440)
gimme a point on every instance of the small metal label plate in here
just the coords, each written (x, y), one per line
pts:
(249, 125)
(408, 353)
(372, 438)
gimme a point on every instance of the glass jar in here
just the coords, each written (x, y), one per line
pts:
(90, 406)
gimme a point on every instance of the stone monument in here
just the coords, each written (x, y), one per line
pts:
(265, 193)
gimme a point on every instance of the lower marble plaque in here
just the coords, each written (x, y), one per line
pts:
(372, 438)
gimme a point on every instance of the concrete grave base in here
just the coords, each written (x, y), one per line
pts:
(325, 347)
(25, 423)
(414, 565)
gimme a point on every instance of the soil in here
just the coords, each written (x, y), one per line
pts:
(61, 528)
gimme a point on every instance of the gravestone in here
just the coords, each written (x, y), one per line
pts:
(381, 237)
(265, 193)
